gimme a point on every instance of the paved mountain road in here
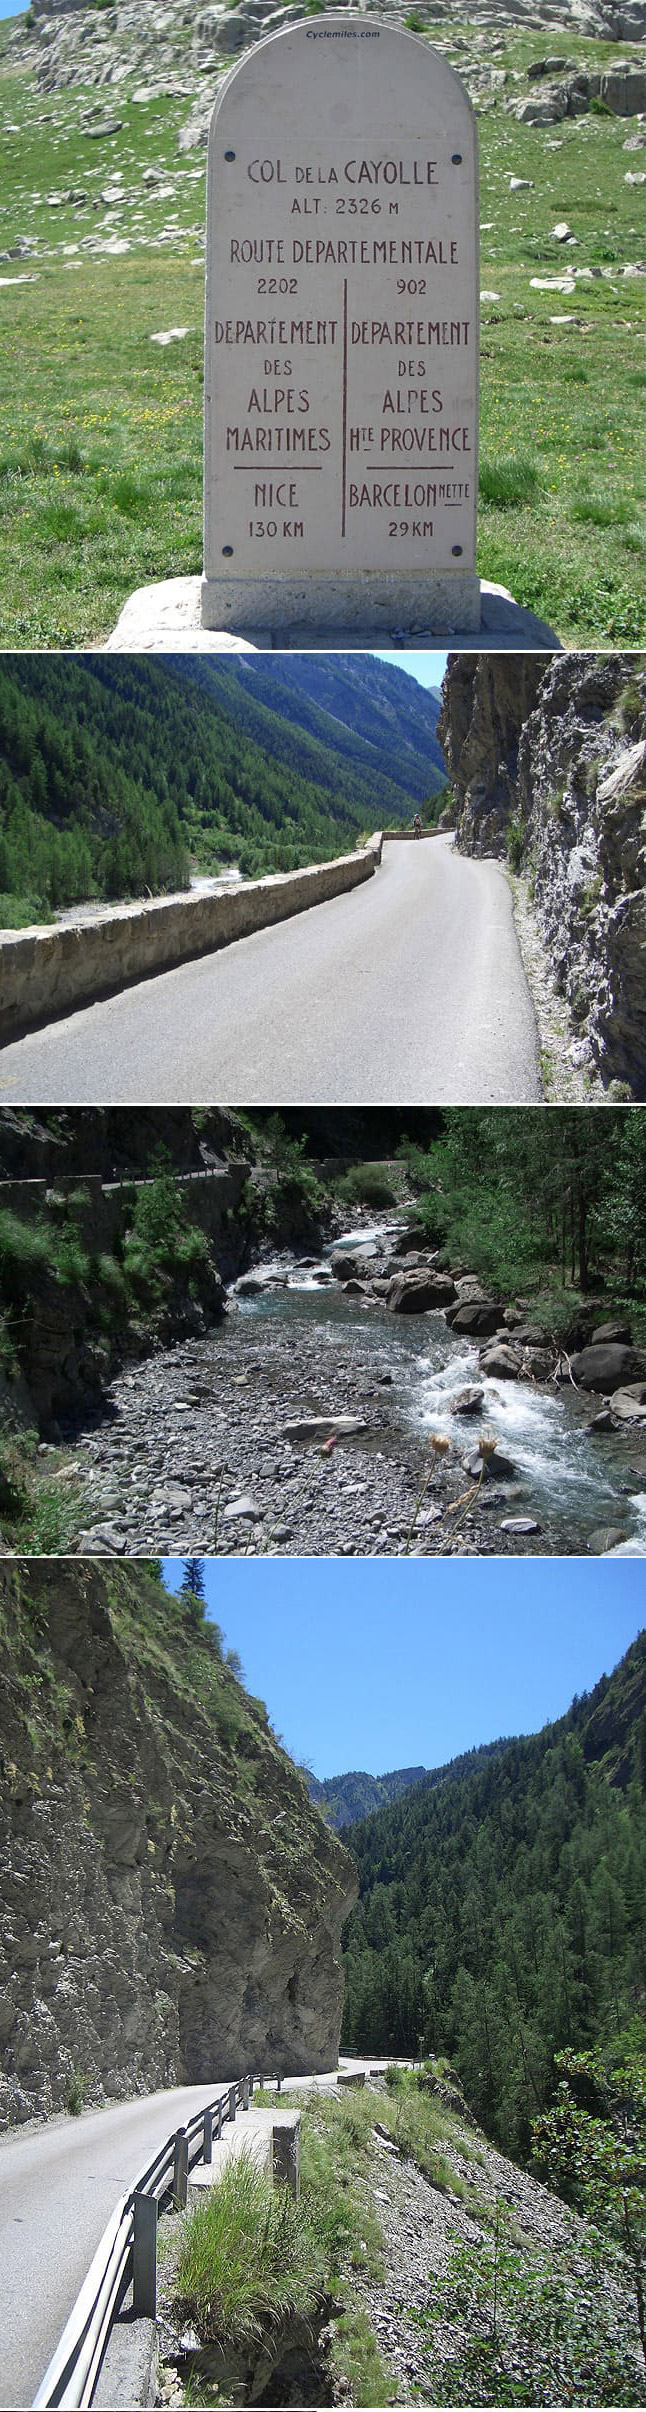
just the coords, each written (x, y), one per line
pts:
(409, 990)
(59, 2183)
(58, 2186)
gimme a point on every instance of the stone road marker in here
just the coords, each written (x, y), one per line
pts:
(341, 420)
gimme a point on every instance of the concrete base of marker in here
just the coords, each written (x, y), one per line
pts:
(168, 618)
(440, 602)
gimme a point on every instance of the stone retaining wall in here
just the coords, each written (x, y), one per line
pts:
(107, 1209)
(46, 972)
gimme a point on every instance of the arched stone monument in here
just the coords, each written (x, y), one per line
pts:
(341, 363)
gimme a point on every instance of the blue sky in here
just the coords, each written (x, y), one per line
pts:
(375, 1664)
(9, 8)
(428, 668)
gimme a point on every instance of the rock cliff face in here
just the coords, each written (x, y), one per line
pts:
(172, 1904)
(549, 767)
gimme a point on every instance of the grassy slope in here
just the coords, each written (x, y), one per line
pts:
(100, 441)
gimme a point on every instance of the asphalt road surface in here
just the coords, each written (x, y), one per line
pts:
(58, 2185)
(409, 990)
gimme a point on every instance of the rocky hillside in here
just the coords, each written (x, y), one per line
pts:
(175, 51)
(549, 769)
(171, 1902)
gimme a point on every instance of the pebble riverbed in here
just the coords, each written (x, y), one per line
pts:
(188, 1453)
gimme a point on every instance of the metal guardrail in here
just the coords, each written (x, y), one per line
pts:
(127, 2254)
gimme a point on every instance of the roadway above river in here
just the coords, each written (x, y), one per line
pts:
(408, 990)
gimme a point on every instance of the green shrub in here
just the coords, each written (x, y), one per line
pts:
(515, 843)
(18, 912)
(368, 1185)
(250, 2256)
(75, 2093)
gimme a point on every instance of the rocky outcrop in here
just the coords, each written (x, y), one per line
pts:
(486, 700)
(549, 766)
(172, 1903)
(175, 51)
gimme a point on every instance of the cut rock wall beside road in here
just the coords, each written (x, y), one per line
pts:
(45, 972)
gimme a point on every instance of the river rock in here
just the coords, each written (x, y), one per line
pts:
(357, 1289)
(502, 1361)
(470, 1291)
(609, 1366)
(605, 1537)
(413, 1237)
(467, 1402)
(531, 1335)
(628, 1406)
(101, 1541)
(251, 1285)
(415, 1293)
(245, 1507)
(602, 1422)
(496, 1468)
(349, 1264)
(519, 1524)
(608, 1332)
(321, 1427)
(476, 1316)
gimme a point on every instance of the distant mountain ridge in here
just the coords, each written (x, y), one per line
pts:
(347, 1799)
(357, 1795)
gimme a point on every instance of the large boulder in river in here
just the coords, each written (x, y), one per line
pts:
(604, 1538)
(353, 1264)
(475, 1316)
(502, 1361)
(414, 1293)
(608, 1366)
(611, 1331)
(469, 1401)
(629, 1404)
(414, 1237)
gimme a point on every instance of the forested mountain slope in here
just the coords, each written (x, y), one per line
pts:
(116, 774)
(363, 742)
(501, 1914)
